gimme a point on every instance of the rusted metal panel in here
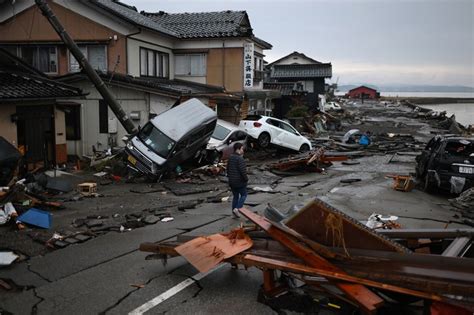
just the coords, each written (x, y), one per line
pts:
(326, 225)
(206, 252)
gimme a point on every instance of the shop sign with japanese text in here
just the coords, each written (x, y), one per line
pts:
(248, 65)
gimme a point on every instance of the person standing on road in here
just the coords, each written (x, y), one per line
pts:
(237, 173)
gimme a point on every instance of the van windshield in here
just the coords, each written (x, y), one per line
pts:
(220, 132)
(157, 141)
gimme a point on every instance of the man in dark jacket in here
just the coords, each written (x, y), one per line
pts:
(237, 173)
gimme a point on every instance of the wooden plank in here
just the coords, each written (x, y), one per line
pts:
(368, 300)
(206, 252)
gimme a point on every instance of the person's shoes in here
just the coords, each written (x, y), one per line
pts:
(236, 213)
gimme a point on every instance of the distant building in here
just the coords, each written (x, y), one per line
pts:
(363, 92)
(303, 75)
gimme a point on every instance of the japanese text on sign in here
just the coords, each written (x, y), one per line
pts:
(248, 65)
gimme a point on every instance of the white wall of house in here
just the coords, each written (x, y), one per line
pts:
(131, 100)
(295, 59)
(159, 104)
(8, 128)
(208, 43)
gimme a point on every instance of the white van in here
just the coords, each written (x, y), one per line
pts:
(171, 138)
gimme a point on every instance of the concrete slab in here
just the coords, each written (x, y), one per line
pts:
(99, 288)
(22, 276)
(226, 291)
(22, 303)
(75, 258)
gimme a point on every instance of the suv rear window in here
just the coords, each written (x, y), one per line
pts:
(253, 117)
(462, 148)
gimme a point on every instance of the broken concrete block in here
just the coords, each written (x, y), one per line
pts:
(71, 240)
(151, 219)
(94, 223)
(82, 237)
(60, 244)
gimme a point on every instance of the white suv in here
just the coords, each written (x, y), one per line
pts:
(268, 130)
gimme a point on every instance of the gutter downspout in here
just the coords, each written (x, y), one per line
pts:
(126, 47)
(223, 64)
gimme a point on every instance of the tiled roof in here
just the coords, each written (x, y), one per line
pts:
(204, 24)
(286, 88)
(321, 70)
(173, 87)
(262, 43)
(14, 86)
(21, 81)
(131, 15)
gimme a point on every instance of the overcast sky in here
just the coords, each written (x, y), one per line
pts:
(370, 41)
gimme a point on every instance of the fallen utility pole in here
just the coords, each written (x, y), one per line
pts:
(90, 72)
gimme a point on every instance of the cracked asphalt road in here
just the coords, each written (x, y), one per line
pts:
(108, 275)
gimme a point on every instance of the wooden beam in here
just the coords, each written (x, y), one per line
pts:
(299, 268)
(368, 301)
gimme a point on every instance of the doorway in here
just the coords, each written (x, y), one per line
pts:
(35, 130)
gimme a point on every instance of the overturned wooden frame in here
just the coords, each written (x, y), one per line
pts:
(390, 267)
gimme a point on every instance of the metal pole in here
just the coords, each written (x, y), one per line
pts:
(91, 73)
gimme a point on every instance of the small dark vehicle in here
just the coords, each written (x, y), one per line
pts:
(447, 163)
(9, 159)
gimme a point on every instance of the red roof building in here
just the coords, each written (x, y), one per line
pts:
(363, 92)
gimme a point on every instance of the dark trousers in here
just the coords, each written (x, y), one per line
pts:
(240, 194)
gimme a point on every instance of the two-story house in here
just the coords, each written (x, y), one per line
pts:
(151, 61)
(298, 74)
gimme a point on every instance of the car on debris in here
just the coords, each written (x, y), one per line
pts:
(174, 136)
(332, 106)
(221, 144)
(268, 130)
(447, 163)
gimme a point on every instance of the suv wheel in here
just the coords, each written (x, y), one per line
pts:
(264, 140)
(304, 148)
(427, 185)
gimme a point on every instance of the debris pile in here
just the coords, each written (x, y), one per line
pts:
(329, 251)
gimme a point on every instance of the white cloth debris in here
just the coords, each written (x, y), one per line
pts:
(6, 258)
(376, 220)
(7, 212)
(167, 219)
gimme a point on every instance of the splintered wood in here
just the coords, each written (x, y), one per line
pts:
(206, 252)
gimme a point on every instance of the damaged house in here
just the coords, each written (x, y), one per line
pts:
(151, 62)
(33, 111)
(297, 75)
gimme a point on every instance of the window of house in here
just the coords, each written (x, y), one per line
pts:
(154, 63)
(73, 123)
(103, 117)
(190, 64)
(43, 58)
(95, 54)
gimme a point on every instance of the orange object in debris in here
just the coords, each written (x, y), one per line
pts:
(402, 182)
(440, 308)
(206, 252)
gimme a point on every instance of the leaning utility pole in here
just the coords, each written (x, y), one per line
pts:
(91, 73)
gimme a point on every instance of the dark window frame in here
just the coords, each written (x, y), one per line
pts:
(158, 71)
(103, 117)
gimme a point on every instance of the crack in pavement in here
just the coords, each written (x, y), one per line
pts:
(127, 295)
(28, 266)
(34, 308)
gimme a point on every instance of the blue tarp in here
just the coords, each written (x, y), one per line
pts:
(37, 218)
